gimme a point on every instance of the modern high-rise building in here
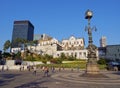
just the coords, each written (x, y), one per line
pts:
(103, 41)
(22, 30)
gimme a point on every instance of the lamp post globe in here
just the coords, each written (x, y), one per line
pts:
(88, 14)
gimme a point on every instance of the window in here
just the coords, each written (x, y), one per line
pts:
(81, 42)
(80, 53)
(71, 54)
(74, 42)
(85, 54)
(75, 54)
(118, 50)
(58, 55)
(67, 54)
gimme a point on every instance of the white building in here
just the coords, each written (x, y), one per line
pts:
(79, 54)
(73, 43)
(51, 46)
(49, 41)
(70, 47)
(47, 45)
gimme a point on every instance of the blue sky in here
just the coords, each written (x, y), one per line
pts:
(62, 18)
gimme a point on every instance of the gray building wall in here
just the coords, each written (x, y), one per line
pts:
(113, 52)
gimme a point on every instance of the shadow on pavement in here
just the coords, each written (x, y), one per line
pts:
(6, 78)
(32, 85)
(116, 73)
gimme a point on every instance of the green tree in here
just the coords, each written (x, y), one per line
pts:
(101, 61)
(7, 45)
(62, 56)
(6, 54)
(71, 58)
(19, 41)
(56, 61)
(48, 57)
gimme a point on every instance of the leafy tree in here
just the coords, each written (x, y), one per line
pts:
(44, 61)
(56, 61)
(19, 41)
(30, 58)
(6, 54)
(101, 61)
(48, 57)
(71, 58)
(0, 54)
(35, 42)
(7, 45)
(62, 56)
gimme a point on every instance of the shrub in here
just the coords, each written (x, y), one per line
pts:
(44, 61)
(101, 61)
(56, 61)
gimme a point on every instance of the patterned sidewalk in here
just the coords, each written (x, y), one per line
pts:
(63, 79)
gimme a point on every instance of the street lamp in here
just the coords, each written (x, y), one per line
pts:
(91, 67)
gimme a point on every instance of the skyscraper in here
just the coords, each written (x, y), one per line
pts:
(22, 30)
(103, 41)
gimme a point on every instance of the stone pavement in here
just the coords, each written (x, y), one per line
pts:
(62, 79)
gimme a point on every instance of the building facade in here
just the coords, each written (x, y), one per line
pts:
(73, 43)
(79, 54)
(113, 52)
(22, 30)
(37, 36)
(70, 47)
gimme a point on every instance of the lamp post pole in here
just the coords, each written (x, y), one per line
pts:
(91, 67)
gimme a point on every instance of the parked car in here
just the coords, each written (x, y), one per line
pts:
(113, 66)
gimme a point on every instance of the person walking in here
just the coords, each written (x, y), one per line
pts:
(46, 71)
(35, 70)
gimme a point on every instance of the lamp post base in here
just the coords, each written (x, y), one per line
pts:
(92, 71)
(92, 68)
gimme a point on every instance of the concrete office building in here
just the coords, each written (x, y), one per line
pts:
(113, 52)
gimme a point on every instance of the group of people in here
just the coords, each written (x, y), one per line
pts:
(45, 70)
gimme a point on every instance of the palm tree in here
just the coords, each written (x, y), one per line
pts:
(7, 45)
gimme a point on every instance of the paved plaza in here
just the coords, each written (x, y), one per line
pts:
(62, 79)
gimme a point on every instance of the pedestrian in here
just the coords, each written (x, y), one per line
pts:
(53, 69)
(23, 68)
(28, 67)
(46, 71)
(78, 68)
(72, 69)
(3, 68)
(59, 69)
(7, 68)
(35, 70)
(20, 68)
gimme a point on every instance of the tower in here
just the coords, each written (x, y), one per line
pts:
(103, 41)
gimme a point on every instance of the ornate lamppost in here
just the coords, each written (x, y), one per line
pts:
(91, 66)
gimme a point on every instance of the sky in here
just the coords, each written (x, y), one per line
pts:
(62, 18)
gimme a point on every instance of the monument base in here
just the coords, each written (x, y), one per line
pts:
(92, 68)
(92, 71)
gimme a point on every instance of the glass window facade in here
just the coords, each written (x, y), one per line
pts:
(22, 30)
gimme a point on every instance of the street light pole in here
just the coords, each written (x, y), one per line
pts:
(91, 67)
